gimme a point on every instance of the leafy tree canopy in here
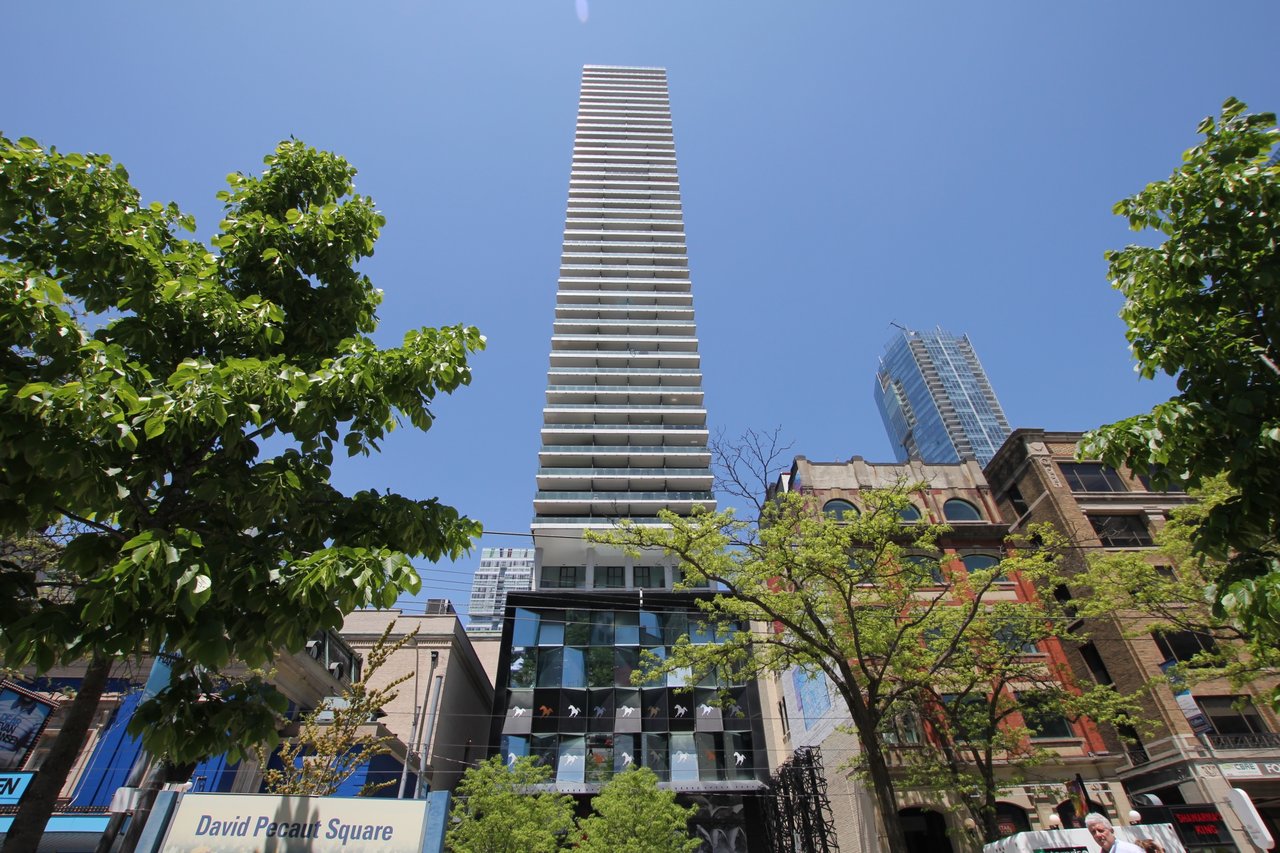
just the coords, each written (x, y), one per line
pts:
(632, 813)
(500, 809)
(868, 600)
(142, 373)
(1202, 307)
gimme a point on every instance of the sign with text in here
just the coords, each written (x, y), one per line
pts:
(249, 823)
(11, 787)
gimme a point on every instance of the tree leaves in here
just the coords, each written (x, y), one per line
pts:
(1202, 307)
(140, 374)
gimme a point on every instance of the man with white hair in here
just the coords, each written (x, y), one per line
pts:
(1105, 834)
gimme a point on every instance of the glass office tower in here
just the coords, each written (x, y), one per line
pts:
(935, 399)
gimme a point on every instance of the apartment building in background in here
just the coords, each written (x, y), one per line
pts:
(936, 401)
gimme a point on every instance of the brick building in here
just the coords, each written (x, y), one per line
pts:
(1201, 743)
(807, 715)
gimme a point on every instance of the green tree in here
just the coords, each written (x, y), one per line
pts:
(1201, 307)
(633, 814)
(1163, 591)
(142, 373)
(864, 600)
(984, 710)
(500, 809)
(339, 735)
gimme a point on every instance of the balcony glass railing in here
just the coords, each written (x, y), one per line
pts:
(632, 427)
(672, 473)
(623, 497)
(591, 449)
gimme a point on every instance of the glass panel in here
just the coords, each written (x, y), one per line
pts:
(513, 747)
(626, 624)
(624, 752)
(600, 666)
(958, 510)
(601, 628)
(674, 626)
(738, 755)
(650, 629)
(839, 509)
(711, 757)
(577, 628)
(625, 662)
(648, 654)
(649, 577)
(600, 760)
(909, 513)
(525, 630)
(551, 632)
(656, 755)
(574, 673)
(550, 667)
(573, 759)
(700, 631)
(684, 758)
(545, 749)
(609, 577)
(524, 665)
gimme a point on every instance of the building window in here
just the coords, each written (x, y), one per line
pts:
(1042, 719)
(838, 509)
(1092, 477)
(958, 510)
(1183, 646)
(610, 577)
(1093, 660)
(1019, 504)
(564, 577)
(909, 513)
(649, 577)
(1121, 531)
(1231, 715)
(982, 562)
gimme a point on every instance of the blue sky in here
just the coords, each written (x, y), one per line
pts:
(844, 165)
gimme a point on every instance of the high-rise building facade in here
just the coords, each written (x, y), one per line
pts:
(935, 399)
(502, 570)
(624, 435)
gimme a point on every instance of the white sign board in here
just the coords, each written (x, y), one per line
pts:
(254, 823)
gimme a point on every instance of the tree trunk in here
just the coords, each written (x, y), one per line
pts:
(882, 787)
(37, 804)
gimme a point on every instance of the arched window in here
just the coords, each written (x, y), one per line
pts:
(1012, 818)
(926, 567)
(958, 510)
(909, 513)
(838, 509)
(978, 562)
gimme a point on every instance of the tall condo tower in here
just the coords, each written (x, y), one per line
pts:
(935, 399)
(624, 429)
(624, 435)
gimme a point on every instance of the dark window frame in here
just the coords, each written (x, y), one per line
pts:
(1095, 477)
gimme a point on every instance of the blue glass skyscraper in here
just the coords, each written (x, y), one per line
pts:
(935, 399)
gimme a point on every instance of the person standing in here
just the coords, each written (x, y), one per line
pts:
(1105, 834)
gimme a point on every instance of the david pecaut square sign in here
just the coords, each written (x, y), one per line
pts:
(258, 823)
